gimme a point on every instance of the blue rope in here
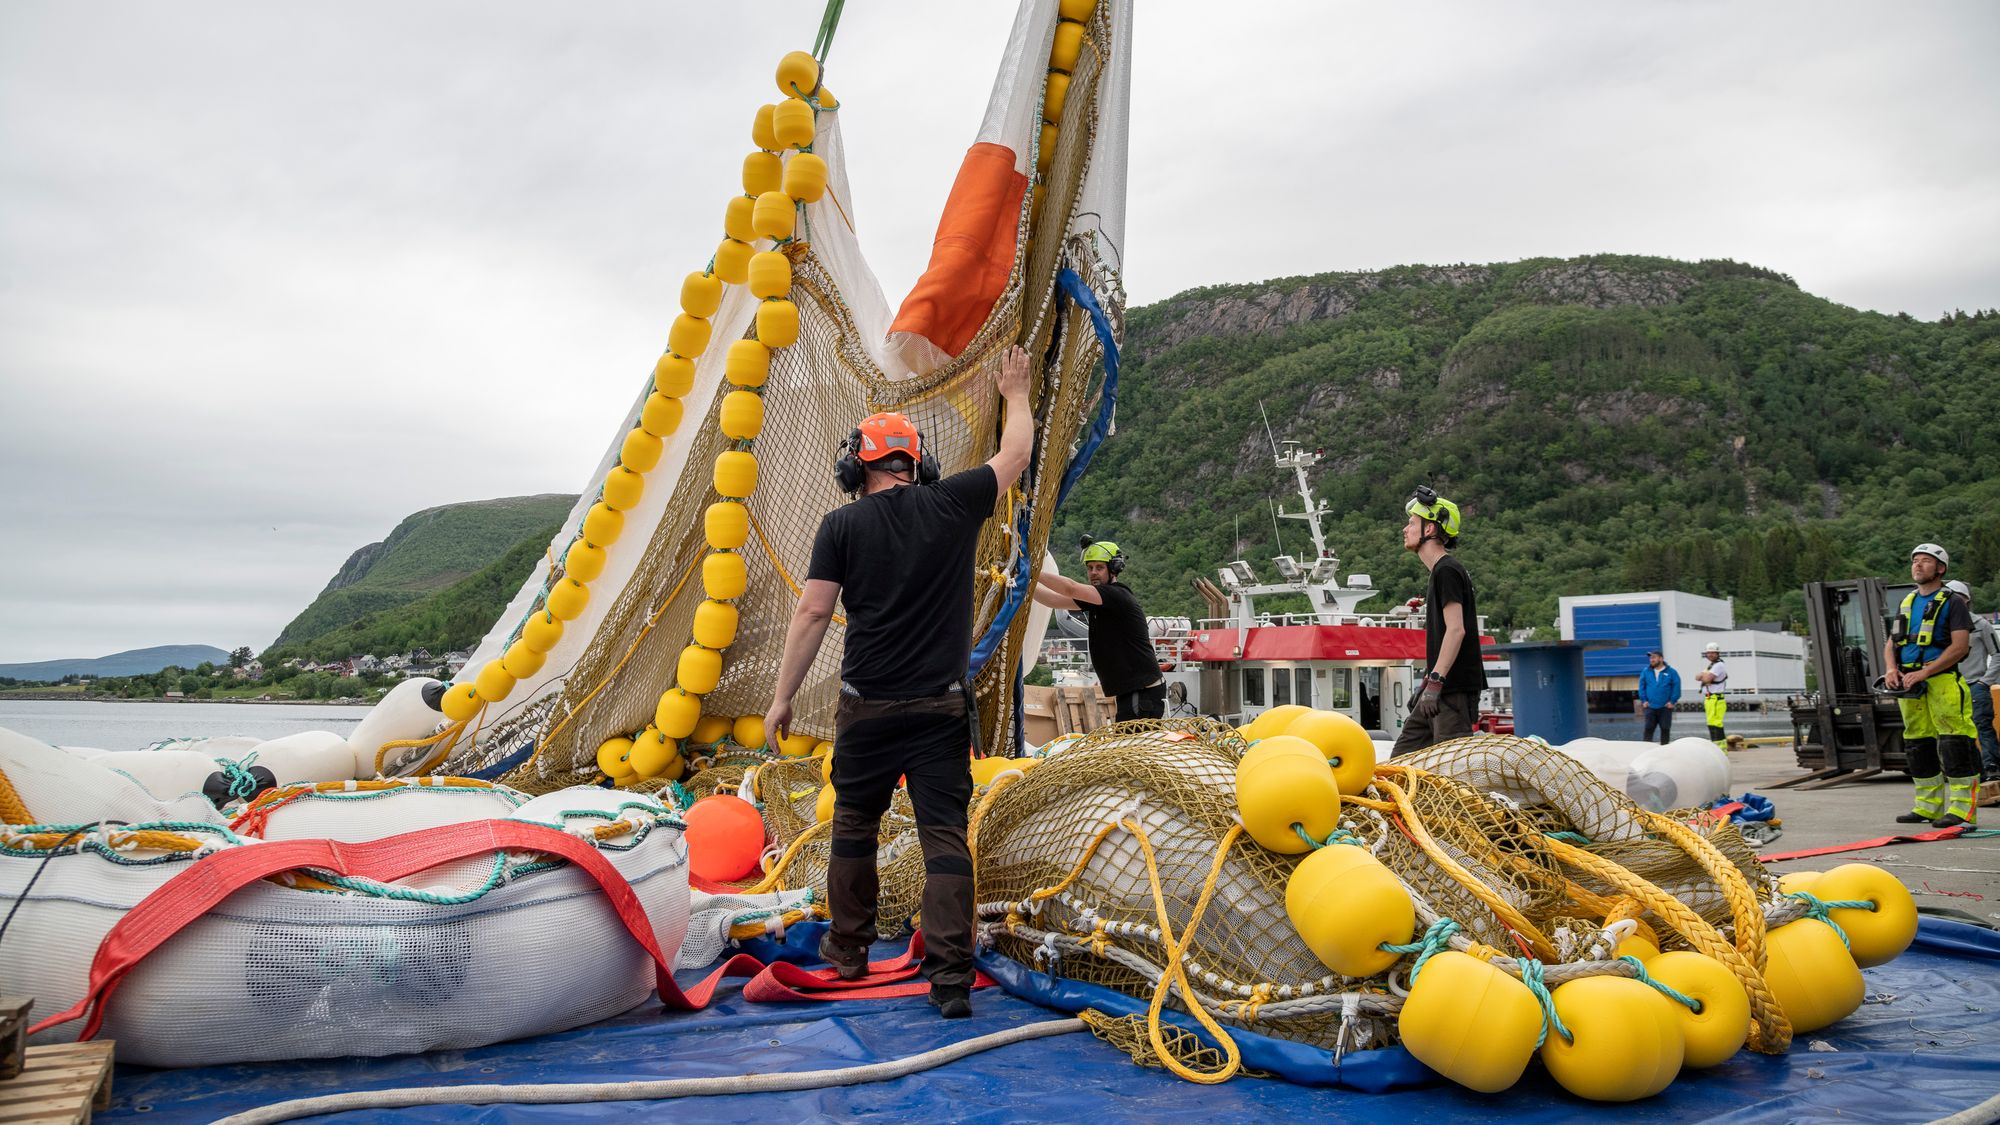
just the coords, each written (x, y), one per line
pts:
(1531, 975)
(1822, 909)
(1667, 990)
(1337, 836)
(1435, 940)
(1069, 283)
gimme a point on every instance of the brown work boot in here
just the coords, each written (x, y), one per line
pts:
(848, 964)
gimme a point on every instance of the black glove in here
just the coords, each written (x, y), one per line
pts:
(1427, 701)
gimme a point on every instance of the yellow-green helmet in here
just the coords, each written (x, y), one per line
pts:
(1103, 551)
(1427, 504)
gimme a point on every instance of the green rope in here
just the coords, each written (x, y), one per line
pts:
(1666, 990)
(1435, 940)
(1577, 838)
(1821, 909)
(1531, 975)
(1337, 836)
(828, 22)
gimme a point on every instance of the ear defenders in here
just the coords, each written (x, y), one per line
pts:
(849, 472)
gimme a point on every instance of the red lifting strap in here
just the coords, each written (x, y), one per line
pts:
(213, 878)
(1862, 845)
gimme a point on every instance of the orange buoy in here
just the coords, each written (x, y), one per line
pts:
(725, 837)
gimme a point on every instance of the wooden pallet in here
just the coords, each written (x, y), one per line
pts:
(60, 1085)
(1989, 793)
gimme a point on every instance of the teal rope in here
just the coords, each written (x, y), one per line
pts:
(242, 786)
(1435, 940)
(1337, 836)
(412, 894)
(1531, 975)
(1821, 909)
(829, 21)
(1667, 990)
(1577, 838)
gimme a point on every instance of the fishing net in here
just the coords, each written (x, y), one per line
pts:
(1050, 162)
(1119, 862)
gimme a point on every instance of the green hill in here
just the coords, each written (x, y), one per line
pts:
(429, 553)
(1606, 423)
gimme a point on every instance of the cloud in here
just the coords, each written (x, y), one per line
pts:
(274, 276)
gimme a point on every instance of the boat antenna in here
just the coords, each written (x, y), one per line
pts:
(1268, 436)
(1274, 524)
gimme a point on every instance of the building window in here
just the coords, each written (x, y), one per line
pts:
(1281, 687)
(1341, 696)
(1253, 687)
(1303, 677)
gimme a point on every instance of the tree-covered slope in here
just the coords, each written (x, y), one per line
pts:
(1605, 423)
(426, 553)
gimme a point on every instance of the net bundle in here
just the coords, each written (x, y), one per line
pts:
(1120, 862)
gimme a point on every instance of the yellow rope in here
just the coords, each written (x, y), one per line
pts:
(1513, 919)
(1744, 908)
(12, 809)
(778, 565)
(450, 732)
(1770, 1031)
(1174, 973)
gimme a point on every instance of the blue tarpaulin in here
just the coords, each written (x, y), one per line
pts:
(1925, 1045)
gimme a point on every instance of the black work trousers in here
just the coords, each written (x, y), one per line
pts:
(1661, 718)
(926, 741)
(1146, 703)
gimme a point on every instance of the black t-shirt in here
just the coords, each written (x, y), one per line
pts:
(1121, 646)
(904, 558)
(1451, 585)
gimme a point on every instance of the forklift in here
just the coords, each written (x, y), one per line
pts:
(1846, 729)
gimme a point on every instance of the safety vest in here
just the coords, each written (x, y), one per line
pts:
(1921, 633)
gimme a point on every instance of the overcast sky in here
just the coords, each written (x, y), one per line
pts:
(274, 275)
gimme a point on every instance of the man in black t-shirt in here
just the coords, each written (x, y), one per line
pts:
(1121, 643)
(1448, 703)
(900, 560)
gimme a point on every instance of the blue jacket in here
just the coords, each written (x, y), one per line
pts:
(1661, 688)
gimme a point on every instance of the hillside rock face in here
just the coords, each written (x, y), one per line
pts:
(1606, 423)
(356, 566)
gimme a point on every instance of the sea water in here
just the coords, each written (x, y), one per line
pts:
(134, 726)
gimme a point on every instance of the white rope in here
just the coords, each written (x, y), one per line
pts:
(547, 1093)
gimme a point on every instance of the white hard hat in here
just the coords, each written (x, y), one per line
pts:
(1959, 588)
(1711, 647)
(1933, 550)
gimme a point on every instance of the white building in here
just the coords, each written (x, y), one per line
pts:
(1763, 666)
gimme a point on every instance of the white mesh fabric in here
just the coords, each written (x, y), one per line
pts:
(280, 972)
(59, 787)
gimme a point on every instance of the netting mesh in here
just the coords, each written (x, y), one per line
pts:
(816, 390)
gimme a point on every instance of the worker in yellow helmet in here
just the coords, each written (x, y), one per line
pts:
(1448, 703)
(1121, 642)
(1930, 635)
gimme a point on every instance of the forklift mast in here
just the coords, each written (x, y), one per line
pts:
(1842, 731)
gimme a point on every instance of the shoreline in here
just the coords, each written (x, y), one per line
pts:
(72, 697)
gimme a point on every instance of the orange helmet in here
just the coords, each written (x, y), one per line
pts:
(888, 435)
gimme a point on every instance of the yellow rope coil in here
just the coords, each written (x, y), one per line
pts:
(1770, 1030)
(1744, 908)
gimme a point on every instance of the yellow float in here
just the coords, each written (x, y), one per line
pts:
(1624, 1040)
(1470, 1022)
